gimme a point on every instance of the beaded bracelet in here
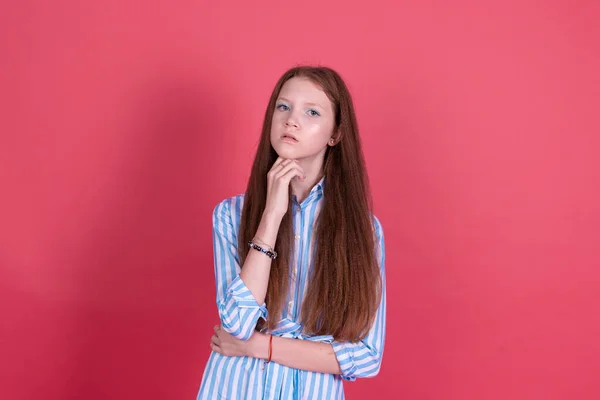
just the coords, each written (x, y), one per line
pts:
(262, 243)
(271, 254)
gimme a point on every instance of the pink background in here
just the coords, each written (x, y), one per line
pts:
(123, 123)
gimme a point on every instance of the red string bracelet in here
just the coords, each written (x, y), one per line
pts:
(270, 348)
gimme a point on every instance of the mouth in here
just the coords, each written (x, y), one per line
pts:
(288, 137)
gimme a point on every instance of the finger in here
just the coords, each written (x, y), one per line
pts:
(216, 328)
(216, 348)
(286, 162)
(288, 174)
(277, 163)
(282, 165)
(291, 174)
(289, 167)
(214, 339)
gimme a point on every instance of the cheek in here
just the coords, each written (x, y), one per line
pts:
(277, 117)
(276, 122)
(321, 130)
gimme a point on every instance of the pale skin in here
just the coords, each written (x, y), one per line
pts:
(302, 128)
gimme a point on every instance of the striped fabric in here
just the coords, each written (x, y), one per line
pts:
(249, 378)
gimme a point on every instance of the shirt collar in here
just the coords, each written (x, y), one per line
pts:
(318, 186)
(316, 191)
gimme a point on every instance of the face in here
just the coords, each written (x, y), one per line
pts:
(303, 121)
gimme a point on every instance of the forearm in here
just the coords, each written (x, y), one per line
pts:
(257, 266)
(297, 353)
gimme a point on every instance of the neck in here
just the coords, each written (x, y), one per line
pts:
(301, 188)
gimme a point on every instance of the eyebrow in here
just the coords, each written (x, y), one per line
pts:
(308, 103)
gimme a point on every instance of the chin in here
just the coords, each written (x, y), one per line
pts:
(286, 152)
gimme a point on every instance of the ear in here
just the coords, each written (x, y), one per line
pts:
(335, 138)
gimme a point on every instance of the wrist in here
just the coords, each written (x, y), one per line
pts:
(271, 219)
(259, 348)
(268, 228)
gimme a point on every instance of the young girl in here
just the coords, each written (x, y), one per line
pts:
(299, 258)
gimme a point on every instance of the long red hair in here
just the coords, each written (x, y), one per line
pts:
(344, 286)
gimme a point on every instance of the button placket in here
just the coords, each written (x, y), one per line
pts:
(294, 273)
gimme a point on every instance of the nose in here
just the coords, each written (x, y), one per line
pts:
(291, 121)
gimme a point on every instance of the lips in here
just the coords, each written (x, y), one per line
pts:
(289, 136)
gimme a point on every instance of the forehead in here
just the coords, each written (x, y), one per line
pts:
(304, 90)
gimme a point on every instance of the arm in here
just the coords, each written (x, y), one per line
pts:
(240, 293)
(296, 353)
(257, 267)
(351, 360)
(240, 296)
(363, 359)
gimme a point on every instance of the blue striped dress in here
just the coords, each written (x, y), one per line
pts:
(250, 378)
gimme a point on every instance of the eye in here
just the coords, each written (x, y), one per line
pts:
(313, 113)
(282, 107)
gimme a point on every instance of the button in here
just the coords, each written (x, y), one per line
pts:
(297, 237)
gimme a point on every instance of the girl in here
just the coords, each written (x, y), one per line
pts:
(299, 258)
